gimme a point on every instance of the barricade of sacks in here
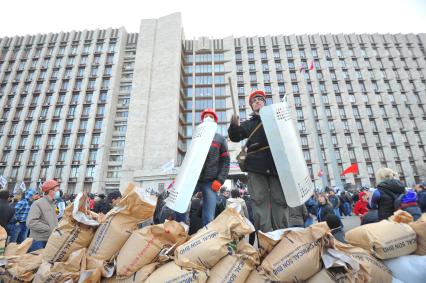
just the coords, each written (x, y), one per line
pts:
(112, 249)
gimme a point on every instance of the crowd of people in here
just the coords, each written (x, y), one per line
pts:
(36, 214)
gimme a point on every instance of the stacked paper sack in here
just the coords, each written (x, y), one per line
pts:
(89, 248)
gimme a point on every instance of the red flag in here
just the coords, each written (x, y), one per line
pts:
(351, 169)
(311, 67)
(320, 173)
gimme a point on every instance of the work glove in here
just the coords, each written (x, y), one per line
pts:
(216, 185)
(235, 120)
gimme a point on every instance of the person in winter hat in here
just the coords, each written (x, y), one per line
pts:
(360, 209)
(389, 188)
(270, 207)
(409, 204)
(214, 173)
(42, 219)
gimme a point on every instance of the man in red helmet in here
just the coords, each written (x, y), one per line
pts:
(269, 205)
(42, 219)
(214, 172)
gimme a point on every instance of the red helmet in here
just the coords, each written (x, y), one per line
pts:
(209, 111)
(49, 185)
(256, 93)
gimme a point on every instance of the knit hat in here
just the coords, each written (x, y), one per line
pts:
(410, 196)
(209, 111)
(49, 185)
(257, 93)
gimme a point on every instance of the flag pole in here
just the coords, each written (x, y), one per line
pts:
(234, 105)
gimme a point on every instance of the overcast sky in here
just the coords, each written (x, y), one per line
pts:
(217, 18)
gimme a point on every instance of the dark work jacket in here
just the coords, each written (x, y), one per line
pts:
(6, 212)
(216, 166)
(260, 162)
(389, 192)
(421, 200)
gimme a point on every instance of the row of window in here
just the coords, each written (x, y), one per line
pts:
(29, 172)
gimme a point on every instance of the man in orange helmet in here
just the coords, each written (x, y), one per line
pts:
(214, 172)
(270, 208)
(42, 218)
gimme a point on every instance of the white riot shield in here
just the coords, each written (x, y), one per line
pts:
(287, 153)
(190, 170)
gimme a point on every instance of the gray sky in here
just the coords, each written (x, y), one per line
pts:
(217, 18)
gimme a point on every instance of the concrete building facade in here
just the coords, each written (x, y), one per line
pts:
(98, 109)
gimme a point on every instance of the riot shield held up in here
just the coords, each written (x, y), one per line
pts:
(190, 170)
(287, 153)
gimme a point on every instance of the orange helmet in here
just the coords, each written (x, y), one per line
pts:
(209, 111)
(257, 93)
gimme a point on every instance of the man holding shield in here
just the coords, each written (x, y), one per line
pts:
(269, 204)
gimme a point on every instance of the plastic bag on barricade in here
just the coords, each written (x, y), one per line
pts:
(409, 268)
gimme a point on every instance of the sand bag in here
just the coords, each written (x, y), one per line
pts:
(3, 239)
(237, 267)
(420, 228)
(74, 232)
(267, 241)
(173, 273)
(214, 241)
(257, 276)
(137, 206)
(331, 275)
(401, 216)
(408, 268)
(145, 244)
(140, 276)
(298, 254)
(59, 272)
(371, 269)
(22, 248)
(21, 268)
(385, 239)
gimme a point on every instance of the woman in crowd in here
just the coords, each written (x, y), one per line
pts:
(324, 209)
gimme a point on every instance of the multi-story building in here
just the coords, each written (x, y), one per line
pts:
(98, 109)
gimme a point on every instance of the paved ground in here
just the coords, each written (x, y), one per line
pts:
(350, 222)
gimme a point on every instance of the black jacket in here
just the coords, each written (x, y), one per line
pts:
(323, 211)
(6, 212)
(260, 162)
(216, 166)
(389, 192)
